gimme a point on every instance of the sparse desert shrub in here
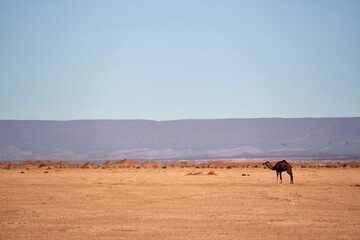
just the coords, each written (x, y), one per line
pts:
(22, 172)
(243, 174)
(212, 173)
(42, 165)
(46, 172)
(229, 167)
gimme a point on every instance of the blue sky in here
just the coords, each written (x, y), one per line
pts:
(164, 60)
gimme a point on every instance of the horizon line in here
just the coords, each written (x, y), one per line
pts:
(168, 120)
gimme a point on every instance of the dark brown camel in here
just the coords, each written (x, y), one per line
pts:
(280, 167)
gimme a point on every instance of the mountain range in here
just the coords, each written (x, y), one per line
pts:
(85, 140)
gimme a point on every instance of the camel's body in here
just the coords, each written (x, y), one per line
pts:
(280, 167)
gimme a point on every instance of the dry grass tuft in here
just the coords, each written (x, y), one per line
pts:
(196, 173)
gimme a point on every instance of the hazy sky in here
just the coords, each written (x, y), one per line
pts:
(168, 59)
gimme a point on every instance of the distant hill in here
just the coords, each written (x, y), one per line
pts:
(91, 140)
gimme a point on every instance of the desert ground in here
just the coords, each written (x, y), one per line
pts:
(179, 203)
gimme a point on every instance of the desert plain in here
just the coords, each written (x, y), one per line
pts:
(179, 203)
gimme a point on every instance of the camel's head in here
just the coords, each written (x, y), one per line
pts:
(268, 165)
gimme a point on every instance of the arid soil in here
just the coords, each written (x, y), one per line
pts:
(179, 203)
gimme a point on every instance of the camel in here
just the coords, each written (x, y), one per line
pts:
(280, 167)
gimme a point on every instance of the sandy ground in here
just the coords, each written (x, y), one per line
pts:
(170, 204)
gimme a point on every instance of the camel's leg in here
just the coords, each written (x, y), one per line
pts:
(277, 176)
(291, 175)
(280, 177)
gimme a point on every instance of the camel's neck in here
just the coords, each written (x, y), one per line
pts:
(269, 166)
